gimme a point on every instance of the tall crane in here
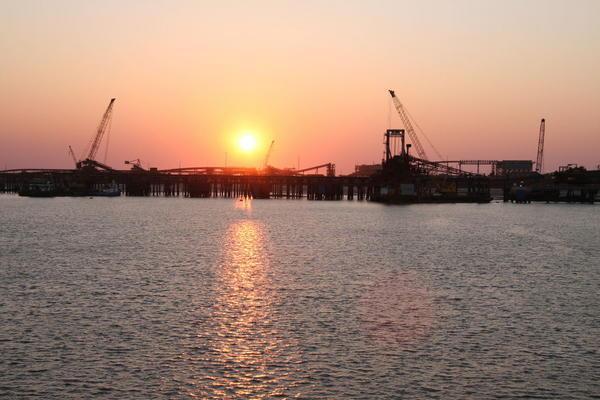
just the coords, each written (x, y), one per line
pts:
(268, 155)
(408, 127)
(94, 144)
(540, 153)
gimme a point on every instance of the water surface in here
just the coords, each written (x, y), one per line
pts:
(200, 298)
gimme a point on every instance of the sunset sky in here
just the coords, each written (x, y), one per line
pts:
(190, 77)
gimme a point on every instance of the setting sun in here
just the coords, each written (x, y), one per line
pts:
(247, 143)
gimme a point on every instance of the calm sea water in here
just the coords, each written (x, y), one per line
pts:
(207, 298)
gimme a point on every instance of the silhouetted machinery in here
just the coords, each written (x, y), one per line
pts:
(540, 153)
(72, 154)
(136, 165)
(94, 145)
(408, 128)
(330, 168)
(268, 155)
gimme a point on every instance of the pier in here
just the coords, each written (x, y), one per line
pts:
(195, 184)
(573, 186)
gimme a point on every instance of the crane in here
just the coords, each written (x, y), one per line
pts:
(268, 155)
(94, 144)
(135, 164)
(72, 154)
(408, 126)
(540, 153)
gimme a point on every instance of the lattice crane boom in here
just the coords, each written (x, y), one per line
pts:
(97, 138)
(540, 153)
(408, 126)
(268, 155)
(72, 154)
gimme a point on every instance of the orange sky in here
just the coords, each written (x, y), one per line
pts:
(190, 76)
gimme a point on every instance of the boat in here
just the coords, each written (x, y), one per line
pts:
(520, 193)
(38, 188)
(107, 191)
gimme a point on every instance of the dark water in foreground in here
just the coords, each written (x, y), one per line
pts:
(183, 298)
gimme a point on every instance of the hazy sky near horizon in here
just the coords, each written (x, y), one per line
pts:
(190, 76)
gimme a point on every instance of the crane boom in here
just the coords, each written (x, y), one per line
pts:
(268, 155)
(540, 153)
(408, 126)
(97, 139)
(72, 154)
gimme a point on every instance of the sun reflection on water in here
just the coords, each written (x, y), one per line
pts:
(247, 349)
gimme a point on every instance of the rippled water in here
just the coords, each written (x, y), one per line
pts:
(208, 298)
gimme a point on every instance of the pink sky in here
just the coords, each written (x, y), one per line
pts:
(191, 76)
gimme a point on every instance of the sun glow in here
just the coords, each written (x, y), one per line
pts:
(247, 143)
